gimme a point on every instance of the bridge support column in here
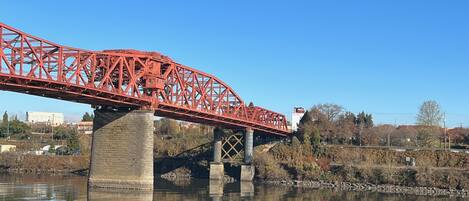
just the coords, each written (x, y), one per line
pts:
(248, 170)
(122, 150)
(248, 145)
(217, 171)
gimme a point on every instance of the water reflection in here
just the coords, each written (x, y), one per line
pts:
(118, 195)
(215, 189)
(32, 187)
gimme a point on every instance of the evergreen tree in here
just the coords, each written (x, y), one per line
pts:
(5, 120)
(87, 117)
(306, 118)
(305, 127)
(365, 120)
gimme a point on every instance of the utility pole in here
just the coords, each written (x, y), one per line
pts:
(444, 125)
(52, 127)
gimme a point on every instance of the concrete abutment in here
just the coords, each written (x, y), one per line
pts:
(122, 150)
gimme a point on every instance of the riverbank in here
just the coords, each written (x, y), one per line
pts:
(72, 164)
(366, 187)
(436, 173)
(25, 163)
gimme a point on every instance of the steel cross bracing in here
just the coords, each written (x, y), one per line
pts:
(128, 79)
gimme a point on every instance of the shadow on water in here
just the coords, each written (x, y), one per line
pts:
(34, 187)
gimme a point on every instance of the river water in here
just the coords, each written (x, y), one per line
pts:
(72, 187)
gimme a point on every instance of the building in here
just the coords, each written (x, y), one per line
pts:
(85, 127)
(7, 148)
(50, 118)
(298, 113)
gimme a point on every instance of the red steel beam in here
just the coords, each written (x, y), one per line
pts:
(126, 78)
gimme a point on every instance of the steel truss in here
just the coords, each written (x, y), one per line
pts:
(126, 78)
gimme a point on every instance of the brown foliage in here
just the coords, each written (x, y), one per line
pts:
(33, 163)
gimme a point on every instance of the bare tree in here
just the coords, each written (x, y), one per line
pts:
(330, 110)
(430, 114)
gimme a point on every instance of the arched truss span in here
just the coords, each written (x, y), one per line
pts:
(126, 78)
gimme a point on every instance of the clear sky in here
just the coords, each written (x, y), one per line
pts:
(383, 57)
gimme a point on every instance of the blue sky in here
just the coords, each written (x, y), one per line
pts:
(383, 57)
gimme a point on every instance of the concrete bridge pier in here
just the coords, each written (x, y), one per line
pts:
(248, 169)
(217, 170)
(122, 149)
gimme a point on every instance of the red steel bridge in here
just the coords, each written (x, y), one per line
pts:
(126, 79)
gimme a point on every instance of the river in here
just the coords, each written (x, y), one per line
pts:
(73, 187)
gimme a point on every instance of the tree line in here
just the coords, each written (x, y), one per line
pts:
(332, 124)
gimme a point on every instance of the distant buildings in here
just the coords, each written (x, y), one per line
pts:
(297, 114)
(85, 127)
(50, 118)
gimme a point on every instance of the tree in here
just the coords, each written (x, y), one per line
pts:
(73, 143)
(384, 134)
(430, 114)
(427, 137)
(304, 126)
(168, 127)
(306, 118)
(87, 117)
(64, 132)
(18, 127)
(324, 118)
(345, 128)
(330, 110)
(5, 120)
(365, 120)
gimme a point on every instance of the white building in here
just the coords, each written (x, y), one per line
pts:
(51, 118)
(298, 113)
(7, 148)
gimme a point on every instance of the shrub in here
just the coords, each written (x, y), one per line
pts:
(268, 168)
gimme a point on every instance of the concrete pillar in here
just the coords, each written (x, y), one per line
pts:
(248, 170)
(217, 170)
(122, 150)
(247, 173)
(248, 145)
(217, 143)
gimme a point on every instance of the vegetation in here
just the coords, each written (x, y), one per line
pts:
(31, 163)
(312, 153)
(13, 126)
(173, 137)
(430, 114)
(87, 117)
(334, 125)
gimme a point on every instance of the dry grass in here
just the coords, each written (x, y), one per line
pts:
(33, 163)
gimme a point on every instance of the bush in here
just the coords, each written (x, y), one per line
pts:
(267, 168)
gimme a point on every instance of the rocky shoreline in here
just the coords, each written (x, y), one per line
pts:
(347, 186)
(383, 188)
